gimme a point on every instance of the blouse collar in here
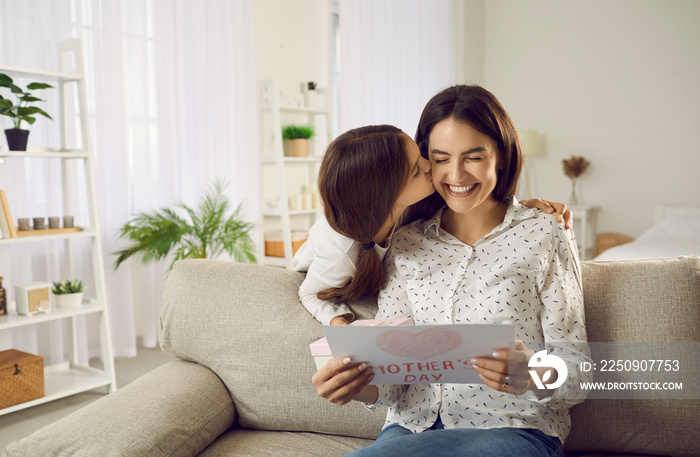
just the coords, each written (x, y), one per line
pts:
(514, 213)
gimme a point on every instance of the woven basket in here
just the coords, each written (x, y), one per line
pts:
(21, 377)
(274, 247)
(605, 241)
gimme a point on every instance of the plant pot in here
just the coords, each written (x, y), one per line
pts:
(17, 139)
(298, 147)
(69, 300)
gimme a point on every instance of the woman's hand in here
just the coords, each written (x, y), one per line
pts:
(340, 381)
(563, 214)
(493, 371)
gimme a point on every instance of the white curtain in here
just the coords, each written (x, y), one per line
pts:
(171, 95)
(394, 56)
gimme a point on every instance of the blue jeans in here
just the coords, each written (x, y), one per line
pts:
(397, 441)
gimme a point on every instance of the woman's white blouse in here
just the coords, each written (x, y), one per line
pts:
(525, 272)
(329, 259)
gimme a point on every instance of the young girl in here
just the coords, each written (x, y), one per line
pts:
(368, 177)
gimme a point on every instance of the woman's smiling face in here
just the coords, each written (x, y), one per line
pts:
(464, 164)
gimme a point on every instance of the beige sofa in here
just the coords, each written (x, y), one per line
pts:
(242, 386)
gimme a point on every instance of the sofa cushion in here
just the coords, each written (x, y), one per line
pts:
(256, 443)
(245, 323)
(655, 300)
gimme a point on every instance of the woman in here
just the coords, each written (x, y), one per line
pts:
(471, 254)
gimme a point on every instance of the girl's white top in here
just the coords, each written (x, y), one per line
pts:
(525, 272)
(329, 260)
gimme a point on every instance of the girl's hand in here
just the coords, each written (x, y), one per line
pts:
(340, 381)
(563, 214)
(493, 371)
(339, 320)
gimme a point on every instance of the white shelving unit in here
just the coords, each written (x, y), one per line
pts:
(273, 116)
(67, 378)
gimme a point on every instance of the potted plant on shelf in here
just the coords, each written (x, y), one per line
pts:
(69, 293)
(205, 232)
(297, 139)
(21, 111)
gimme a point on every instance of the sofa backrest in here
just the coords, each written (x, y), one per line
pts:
(656, 300)
(246, 324)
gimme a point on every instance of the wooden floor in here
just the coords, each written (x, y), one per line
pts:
(22, 423)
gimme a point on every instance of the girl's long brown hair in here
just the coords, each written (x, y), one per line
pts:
(362, 174)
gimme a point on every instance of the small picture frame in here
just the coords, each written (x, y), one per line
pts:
(33, 298)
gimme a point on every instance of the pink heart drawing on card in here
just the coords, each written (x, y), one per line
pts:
(422, 345)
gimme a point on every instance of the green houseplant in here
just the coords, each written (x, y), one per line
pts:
(203, 233)
(296, 139)
(20, 111)
(69, 293)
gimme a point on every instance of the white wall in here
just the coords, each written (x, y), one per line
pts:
(291, 41)
(469, 32)
(616, 81)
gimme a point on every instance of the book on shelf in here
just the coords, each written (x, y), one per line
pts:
(8, 226)
(4, 228)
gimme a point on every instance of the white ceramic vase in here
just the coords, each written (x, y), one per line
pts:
(70, 300)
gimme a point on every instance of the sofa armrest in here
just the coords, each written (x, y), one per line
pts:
(176, 409)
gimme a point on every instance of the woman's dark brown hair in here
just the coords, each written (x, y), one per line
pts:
(362, 174)
(481, 109)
